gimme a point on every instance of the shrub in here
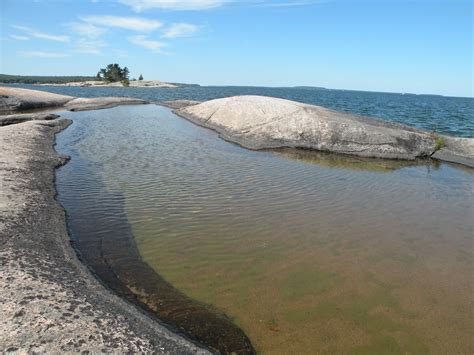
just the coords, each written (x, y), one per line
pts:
(439, 143)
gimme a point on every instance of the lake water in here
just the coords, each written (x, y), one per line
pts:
(305, 252)
(449, 115)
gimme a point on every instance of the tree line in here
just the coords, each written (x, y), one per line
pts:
(27, 79)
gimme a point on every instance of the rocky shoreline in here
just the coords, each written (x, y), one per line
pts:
(49, 301)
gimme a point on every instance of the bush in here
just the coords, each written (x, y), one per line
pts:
(439, 143)
(125, 83)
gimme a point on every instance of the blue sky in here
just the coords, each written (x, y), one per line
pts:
(417, 46)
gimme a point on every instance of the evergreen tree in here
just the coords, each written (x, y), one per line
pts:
(125, 73)
(140, 77)
(113, 73)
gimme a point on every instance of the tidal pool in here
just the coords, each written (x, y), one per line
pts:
(305, 252)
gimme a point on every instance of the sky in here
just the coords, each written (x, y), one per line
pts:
(412, 46)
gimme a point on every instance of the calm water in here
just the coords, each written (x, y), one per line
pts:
(449, 115)
(304, 251)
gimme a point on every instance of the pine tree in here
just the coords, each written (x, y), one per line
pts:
(140, 77)
(113, 73)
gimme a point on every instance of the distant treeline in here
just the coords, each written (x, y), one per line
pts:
(23, 79)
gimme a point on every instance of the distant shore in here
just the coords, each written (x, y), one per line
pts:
(85, 81)
(132, 84)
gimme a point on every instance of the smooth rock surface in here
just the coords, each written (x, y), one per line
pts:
(95, 103)
(457, 150)
(19, 118)
(49, 301)
(258, 122)
(16, 99)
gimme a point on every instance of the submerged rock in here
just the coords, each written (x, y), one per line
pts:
(258, 122)
(16, 99)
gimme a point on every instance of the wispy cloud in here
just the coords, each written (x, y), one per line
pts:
(86, 29)
(176, 5)
(180, 30)
(285, 4)
(40, 54)
(143, 41)
(41, 35)
(20, 38)
(138, 24)
(90, 46)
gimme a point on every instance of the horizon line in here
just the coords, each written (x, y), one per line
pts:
(265, 86)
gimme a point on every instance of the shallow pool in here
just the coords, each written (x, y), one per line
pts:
(303, 251)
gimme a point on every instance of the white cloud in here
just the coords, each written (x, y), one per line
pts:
(141, 5)
(143, 41)
(90, 46)
(40, 54)
(20, 38)
(180, 30)
(138, 24)
(86, 29)
(41, 35)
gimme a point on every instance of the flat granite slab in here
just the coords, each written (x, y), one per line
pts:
(49, 301)
(6, 120)
(16, 99)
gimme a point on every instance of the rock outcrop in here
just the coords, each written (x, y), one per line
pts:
(95, 103)
(24, 117)
(456, 150)
(258, 122)
(16, 99)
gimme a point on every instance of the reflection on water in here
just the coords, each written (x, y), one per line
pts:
(340, 255)
(351, 162)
